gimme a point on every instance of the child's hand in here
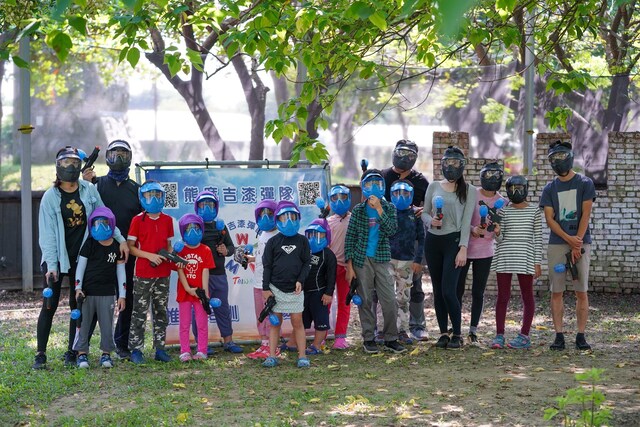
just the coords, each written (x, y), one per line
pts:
(222, 249)
(51, 273)
(374, 202)
(461, 258)
(435, 222)
(417, 210)
(496, 230)
(350, 274)
(538, 272)
(124, 251)
(326, 299)
(266, 294)
(121, 304)
(474, 231)
(298, 288)
(192, 291)
(79, 294)
(156, 259)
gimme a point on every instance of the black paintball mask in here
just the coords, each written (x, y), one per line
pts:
(118, 155)
(405, 155)
(491, 176)
(453, 163)
(561, 157)
(68, 164)
(517, 188)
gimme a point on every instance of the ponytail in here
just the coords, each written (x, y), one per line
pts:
(461, 190)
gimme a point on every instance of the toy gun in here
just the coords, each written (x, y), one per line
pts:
(173, 256)
(268, 311)
(484, 211)
(439, 204)
(76, 314)
(89, 160)
(240, 255)
(570, 265)
(493, 214)
(47, 292)
(353, 293)
(324, 209)
(202, 296)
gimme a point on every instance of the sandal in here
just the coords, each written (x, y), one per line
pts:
(270, 362)
(303, 362)
(313, 350)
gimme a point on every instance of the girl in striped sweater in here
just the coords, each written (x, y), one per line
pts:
(519, 251)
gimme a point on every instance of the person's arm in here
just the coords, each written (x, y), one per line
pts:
(388, 220)
(121, 277)
(205, 281)
(420, 238)
(332, 268)
(139, 253)
(537, 238)
(185, 285)
(467, 213)
(554, 226)
(306, 260)
(47, 234)
(428, 207)
(80, 269)
(267, 265)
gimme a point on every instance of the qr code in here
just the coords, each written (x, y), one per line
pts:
(308, 192)
(170, 195)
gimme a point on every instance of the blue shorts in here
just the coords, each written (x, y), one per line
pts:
(315, 311)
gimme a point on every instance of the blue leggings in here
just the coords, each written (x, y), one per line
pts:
(440, 253)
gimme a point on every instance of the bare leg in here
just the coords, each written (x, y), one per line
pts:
(298, 333)
(274, 336)
(557, 311)
(318, 338)
(582, 310)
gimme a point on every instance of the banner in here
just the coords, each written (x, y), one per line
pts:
(239, 190)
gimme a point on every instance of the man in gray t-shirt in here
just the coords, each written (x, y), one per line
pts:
(567, 202)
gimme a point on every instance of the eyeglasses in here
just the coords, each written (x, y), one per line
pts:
(456, 163)
(100, 221)
(559, 156)
(287, 216)
(151, 194)
(209, 202)
(192, 226)
(69, 161)
(339, 196)
(403, 152)
(492, 174)
(369, 183)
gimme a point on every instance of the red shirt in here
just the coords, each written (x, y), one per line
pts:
(151, 235)
(203, 255)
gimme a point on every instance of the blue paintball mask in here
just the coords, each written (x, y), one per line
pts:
(401, 195)
(266, 220)
(192, 235)
(288, 222)
(152, 197)
(101, 229)
(207, 209)
(373, 185)
(340, 199)
(317, 237)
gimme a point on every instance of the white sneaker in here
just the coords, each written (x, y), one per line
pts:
(420, 335)
(199, 356)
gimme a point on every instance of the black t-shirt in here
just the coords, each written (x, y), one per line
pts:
(100, 277)
(416, 178)
(286, 260)
(74, 218)
(121, 199)
(212, 238)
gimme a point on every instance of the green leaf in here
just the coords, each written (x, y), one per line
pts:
(379, 21)
(133, 56)
(19, 62)
(79, 23)
(232, 49)
(61, 43)
(60, 8)
(359, 9)
(29, 29)
(408, 7)
(195, 57)
(123, 54)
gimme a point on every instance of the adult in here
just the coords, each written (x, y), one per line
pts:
(449, 205)
(120, 194)
(404, 158)
(62, 224)
(567, 202)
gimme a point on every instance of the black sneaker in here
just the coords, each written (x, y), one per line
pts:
(581, 343)
(558, 343)
(370, 347)
(70, 359)
(472, 339)
(40, 361)
(455, 343)
(123, 354)
(394, 347)
(443, 341)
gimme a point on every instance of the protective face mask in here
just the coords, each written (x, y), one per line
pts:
(192, 237)
(289, 228)
(207, 213)
(266, 222)
(101, 231)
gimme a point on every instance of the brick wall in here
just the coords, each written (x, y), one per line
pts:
(615, 221)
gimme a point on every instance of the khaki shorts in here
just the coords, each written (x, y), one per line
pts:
(556, 254)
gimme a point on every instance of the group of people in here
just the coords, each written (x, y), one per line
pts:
(377, 250)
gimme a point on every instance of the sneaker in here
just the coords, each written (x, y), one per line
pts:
(312, 350)
(420, 335)
(340, 344)
(70, 358)
(270, 362)
(232, 347)
(405, 339)
(162, 356)
(581, 343)
(558, 343)
(472, 339)
(303, 362)
(261, 353)
(379, 339)
(105, 361)
(199, 356)
(185, 357)
(285, 347)
(498, 342)
(137, 357)
(521, 341)
(82, 361)
(370, 347)
(123, 354)
(40, 361)
(443, 341)
(210, 351)
(455, 343)
(394, 347)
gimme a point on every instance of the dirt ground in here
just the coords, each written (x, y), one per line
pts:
(476, 386)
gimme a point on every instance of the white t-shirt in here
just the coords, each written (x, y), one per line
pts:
(263, 238)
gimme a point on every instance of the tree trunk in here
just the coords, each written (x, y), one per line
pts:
(618, 105)
(343, 139)
(2, 70)
(281, 92)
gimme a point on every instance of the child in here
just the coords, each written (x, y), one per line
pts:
(367, 253)
(480, 251)
(406, 256)
(99, 273)
(340, 202)
(266, 221)
(193, 276)
(320, 283)
(286, 261)
(149, 232)
(519, 251)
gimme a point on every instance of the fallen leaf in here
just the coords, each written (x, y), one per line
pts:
(294, 403)
(179, 385)
(382, 390)
(415, 352)
(621, 365)
(204, 400)
(538, 370)
(182, 417)
(314, 400)
(426, 411)
(506, 380)
(377, 355)
(489, 353)
(333, 367)
(541, 328)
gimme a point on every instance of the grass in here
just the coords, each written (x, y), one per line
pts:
(424, 387)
